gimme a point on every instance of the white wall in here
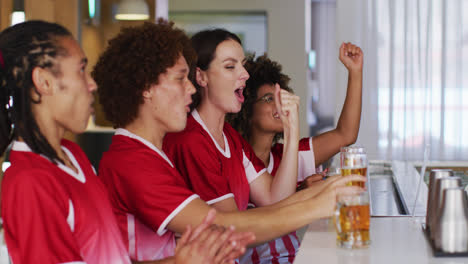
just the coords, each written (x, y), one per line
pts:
(352, 25)
(286, 36)
(323, 28)
(252, 27)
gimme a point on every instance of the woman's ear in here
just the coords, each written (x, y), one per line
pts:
(201, 77)
(43, 80)
(148, 93)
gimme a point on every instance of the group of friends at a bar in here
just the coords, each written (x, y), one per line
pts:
(206, 164)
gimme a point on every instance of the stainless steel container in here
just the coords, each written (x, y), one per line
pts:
(451, 227)
(440, 185)
(430, 209)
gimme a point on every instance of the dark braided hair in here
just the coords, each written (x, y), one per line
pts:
(262, 71)
(24, 47)
(205, 43)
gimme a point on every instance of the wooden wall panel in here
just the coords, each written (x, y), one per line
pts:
(67, 14)
(64, 12)
(43, 10)
(6, 7)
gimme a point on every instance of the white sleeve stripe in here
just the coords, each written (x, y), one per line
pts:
(258, 174)
(73, 262)
(271, 164)
(162, 228)
(306, 163)
(71, 216)
(250, 171)
(20, 146)
(131, 235)
(224, 197)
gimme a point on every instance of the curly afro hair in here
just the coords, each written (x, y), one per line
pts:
(133, 62)
(262, 71)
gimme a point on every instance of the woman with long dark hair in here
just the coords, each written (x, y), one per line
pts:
(232, 175)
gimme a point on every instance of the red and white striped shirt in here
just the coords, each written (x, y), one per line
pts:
(283, 249)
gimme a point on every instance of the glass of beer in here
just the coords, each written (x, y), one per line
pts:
(353, 161)
(352, 221)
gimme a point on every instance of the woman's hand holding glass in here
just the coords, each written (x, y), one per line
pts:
(326, 192)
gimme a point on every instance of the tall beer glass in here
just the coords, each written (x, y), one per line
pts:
(352, 220)
(353, 161)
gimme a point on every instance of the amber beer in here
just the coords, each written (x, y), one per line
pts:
(352, 221)
(351, 171)
(353, 161)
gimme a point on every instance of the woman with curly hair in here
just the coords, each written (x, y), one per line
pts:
(55, 209)
(147, 96)
(259, 123)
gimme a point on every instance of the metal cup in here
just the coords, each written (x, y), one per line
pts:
(440, 185)
(451, 230)
(430, 209)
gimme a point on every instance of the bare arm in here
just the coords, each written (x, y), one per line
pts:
(266, 190)
(328, 144)
(271, 221)
(210, 243)
(207, 243)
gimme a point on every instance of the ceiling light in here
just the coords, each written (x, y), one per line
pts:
(18, 15)
(132, 10)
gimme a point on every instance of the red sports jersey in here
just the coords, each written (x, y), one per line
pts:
(211, 172)
(55, 215)
(146, 192)
(283, 250)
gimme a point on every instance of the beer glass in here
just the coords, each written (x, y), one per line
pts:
(353, 161)
(352, 221)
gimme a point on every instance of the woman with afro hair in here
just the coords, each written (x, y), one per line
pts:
(259, 123)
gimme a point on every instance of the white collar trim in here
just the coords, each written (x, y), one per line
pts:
(125, 132)
(271, 163)
(22, 146)
(227, 151)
